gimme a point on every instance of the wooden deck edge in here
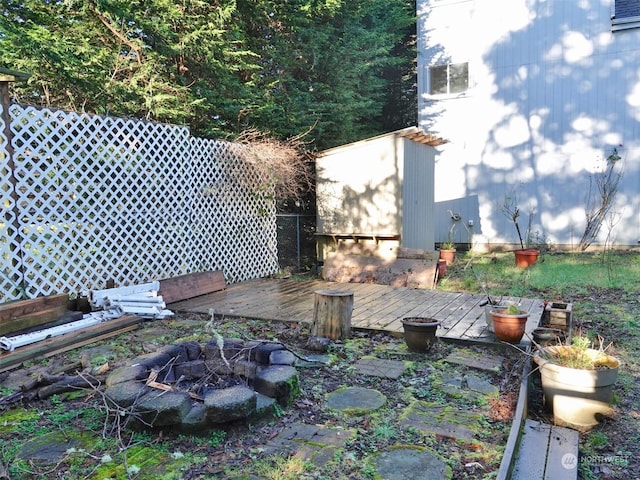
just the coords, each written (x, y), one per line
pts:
(520, 415)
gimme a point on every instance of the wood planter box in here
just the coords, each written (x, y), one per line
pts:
(558, 315)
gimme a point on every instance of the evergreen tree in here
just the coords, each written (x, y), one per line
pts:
(344, 68)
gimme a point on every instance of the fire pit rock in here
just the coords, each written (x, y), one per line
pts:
(195, 386)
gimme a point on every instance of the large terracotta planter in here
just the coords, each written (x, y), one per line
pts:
(448, 255)
(527, 257)
(577, 397)
(509, 327)
(420, 333)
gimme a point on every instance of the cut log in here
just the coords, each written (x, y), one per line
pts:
(191, 285)
(332, 311)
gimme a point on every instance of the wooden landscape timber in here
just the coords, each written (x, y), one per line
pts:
(26, 314)
(69, 341)
(53, 310)
(191, 285)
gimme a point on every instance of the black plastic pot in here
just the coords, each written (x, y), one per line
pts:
(420, 333)
(546, 337)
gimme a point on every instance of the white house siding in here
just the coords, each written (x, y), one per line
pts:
(551, 91)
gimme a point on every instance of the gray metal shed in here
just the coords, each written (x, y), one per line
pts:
(380, 189)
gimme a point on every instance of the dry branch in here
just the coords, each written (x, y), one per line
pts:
(600, 202)
(68, 383)
(169, 388)
(284, 165)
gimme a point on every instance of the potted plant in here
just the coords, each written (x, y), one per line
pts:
(448, 252)
(525, 256)
(492, 304)
(577, 381)
(448, 248)
(509, 323)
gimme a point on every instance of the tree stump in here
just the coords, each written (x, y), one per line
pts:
(332, 314)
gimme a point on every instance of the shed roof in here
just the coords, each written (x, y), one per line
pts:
(412, 133)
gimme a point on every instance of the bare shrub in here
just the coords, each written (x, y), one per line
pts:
(602, 191)
(284, 165)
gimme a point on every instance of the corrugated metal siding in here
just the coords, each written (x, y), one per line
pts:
(417, 194)
(467, 209)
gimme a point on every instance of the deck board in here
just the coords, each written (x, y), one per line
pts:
(376, 307)
(545, 451)
(532, 455)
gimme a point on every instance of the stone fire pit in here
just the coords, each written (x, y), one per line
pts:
(195, 386)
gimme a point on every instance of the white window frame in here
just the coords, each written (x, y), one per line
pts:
(625, 23)
(448, 93)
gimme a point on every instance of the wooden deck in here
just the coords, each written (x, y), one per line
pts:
(376, 307)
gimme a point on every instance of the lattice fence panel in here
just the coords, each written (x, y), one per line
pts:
(233, 213)
(103, 198)
(10, 263)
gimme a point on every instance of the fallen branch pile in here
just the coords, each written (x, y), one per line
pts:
(56, 380)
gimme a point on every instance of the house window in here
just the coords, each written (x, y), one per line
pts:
(448, 79)
(626, 16)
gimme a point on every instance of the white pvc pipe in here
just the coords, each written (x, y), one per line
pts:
(12, 343)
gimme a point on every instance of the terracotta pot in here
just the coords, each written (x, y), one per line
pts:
(527, 257)
(448, 255)
(442, 268)
(509, 327)
(420, 333)
(577, 397)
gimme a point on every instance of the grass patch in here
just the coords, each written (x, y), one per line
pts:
(557, 273)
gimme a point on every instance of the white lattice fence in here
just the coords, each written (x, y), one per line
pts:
(10, 262)
(234, 222)
(103, 198)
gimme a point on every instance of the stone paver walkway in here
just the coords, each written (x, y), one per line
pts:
(310, 442)
(318, 444)
(377, 367)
